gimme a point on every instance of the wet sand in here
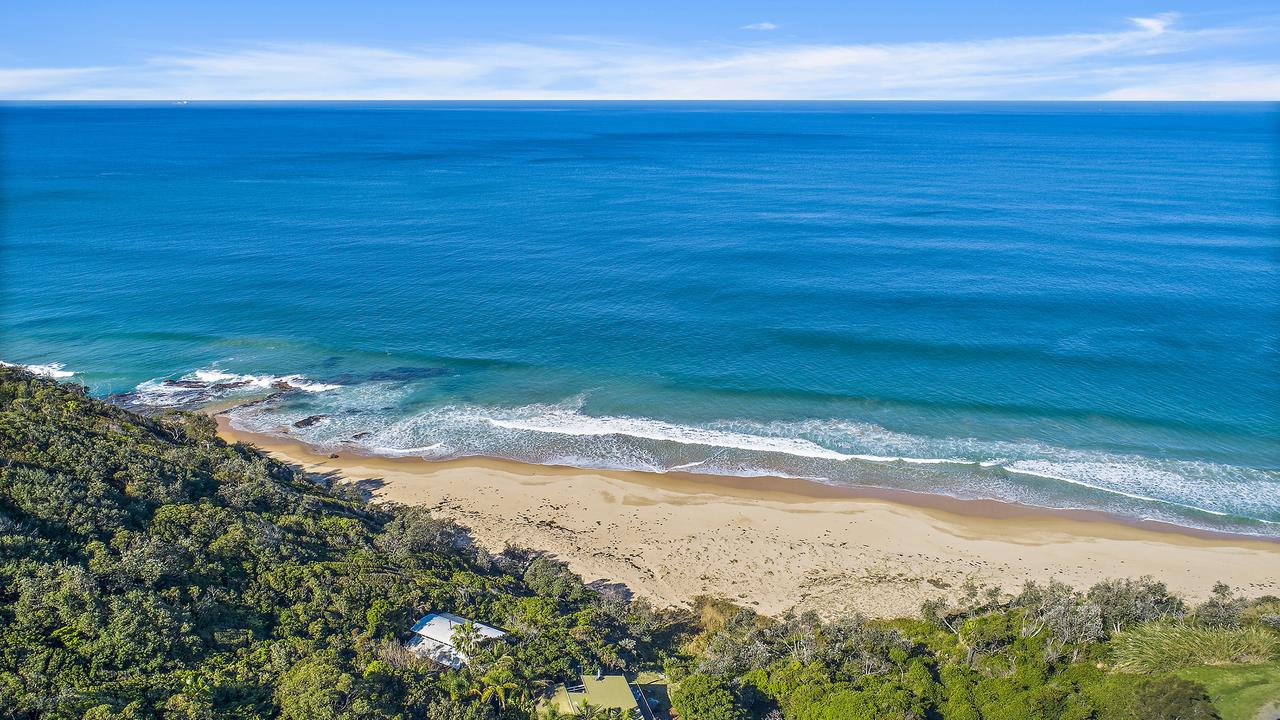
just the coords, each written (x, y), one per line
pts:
(776, 544)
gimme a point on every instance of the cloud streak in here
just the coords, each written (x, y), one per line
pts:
(1147, 58)
(759, 26)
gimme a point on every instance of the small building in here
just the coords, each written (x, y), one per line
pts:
(434, 637)
(601, 691)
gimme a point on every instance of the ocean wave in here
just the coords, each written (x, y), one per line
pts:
(686, 466)
(50, 370)
(917, 461)
(1050, 475)
(568, 421)
(209, 385)
(1086, 474)
(294, 382)
(372, 419)
(426, 451)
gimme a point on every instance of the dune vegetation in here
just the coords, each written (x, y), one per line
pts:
(1159, 647)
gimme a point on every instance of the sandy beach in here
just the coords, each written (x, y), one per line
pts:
(778, 545)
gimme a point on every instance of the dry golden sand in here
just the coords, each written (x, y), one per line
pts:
(778, 545)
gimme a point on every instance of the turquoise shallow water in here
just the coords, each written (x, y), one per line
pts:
(1068, 305)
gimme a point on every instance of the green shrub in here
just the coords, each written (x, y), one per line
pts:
(702, 697)
(1172, 698)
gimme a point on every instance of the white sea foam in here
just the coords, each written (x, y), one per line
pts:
(424, 451)
(564, 421)
(154, 393)
(50, 370)
(210, 384)
(686, 466)
(213, 376)
(916, 461)
(1095, 476)
(297, 382)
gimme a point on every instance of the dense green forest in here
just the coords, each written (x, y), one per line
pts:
(150, 570)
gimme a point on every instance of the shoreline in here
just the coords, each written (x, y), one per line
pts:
(779, 544)
(777, 486)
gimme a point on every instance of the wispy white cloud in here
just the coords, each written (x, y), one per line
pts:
(1203, 82)
(16, 82)
(759, 26)
(1156, 24)
(1147, 58)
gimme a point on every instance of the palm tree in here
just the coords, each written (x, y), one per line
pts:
(498, 683)
(466, 638)
(587, 711)
(527, 696)
(455, 684)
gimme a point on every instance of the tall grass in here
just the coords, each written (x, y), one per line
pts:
(1164, 647)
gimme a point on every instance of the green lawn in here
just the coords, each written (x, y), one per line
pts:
(1239, 691)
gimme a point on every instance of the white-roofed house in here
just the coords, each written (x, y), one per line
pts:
(434, 636)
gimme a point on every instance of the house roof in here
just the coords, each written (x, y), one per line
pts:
(433, 637)
(440, 626)
(610, 691)
(437, 651)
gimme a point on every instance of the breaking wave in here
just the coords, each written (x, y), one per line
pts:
(50, 370)
(368, 419)
(206, 386)
(294, 382)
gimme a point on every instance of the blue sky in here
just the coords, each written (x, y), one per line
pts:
(486, 49)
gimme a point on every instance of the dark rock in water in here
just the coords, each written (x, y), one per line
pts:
(128, 401)
(281, 385)
(184, 398)
(361, 435)
(183, 394)
(309, 421)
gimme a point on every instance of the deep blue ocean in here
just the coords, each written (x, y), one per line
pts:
(1071, 305)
